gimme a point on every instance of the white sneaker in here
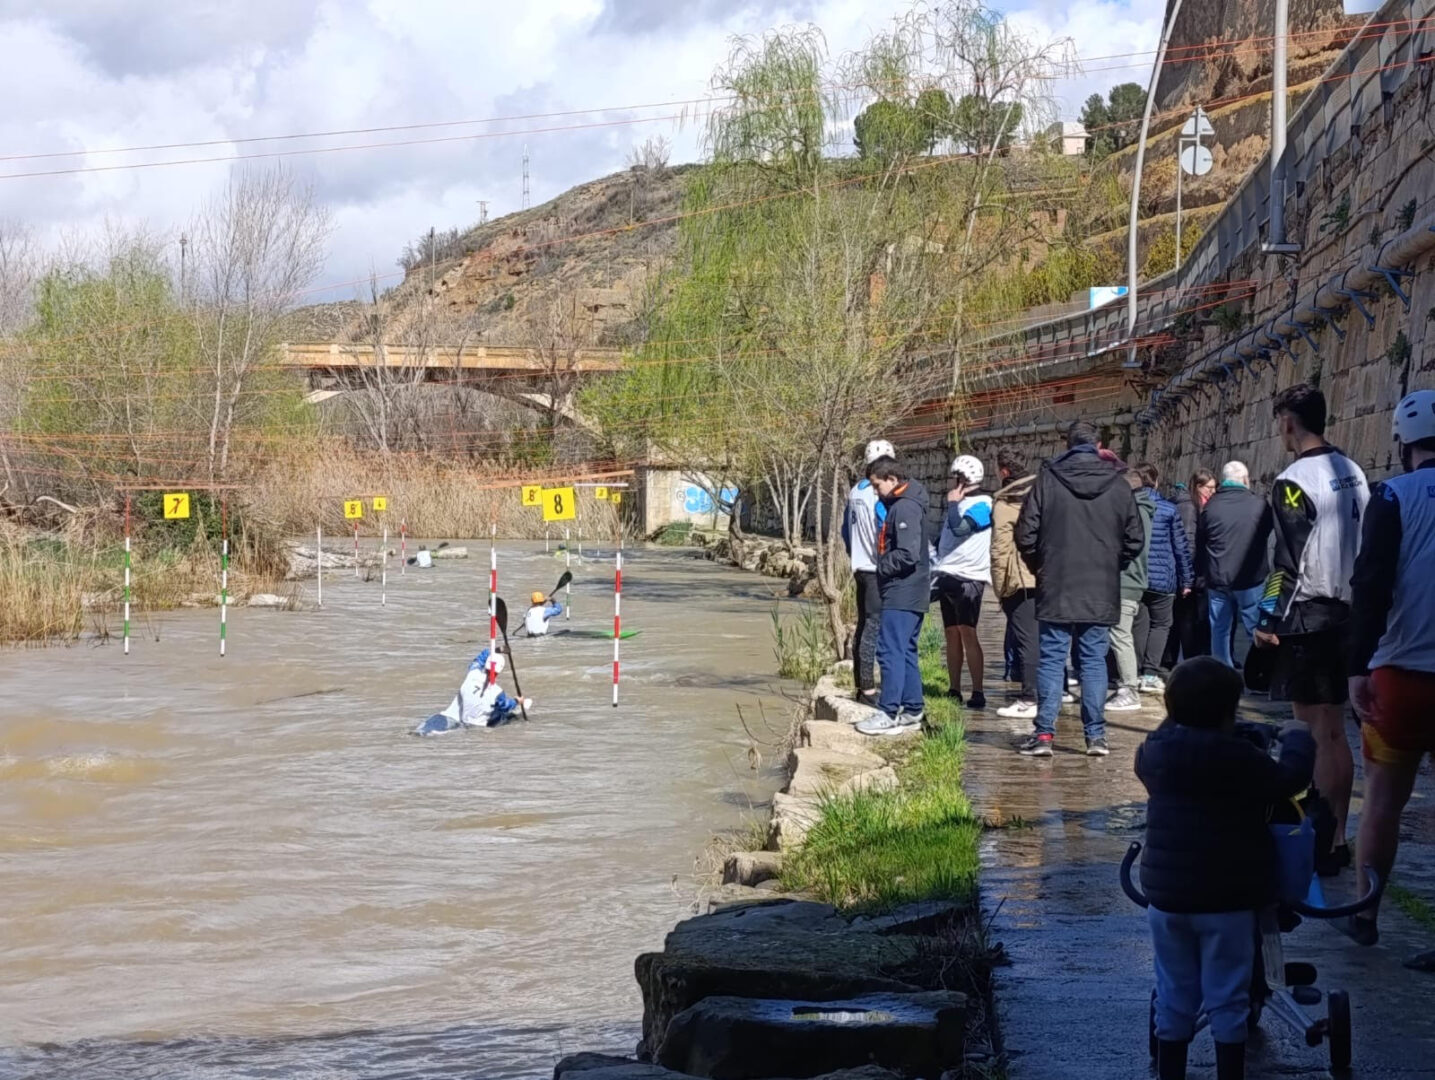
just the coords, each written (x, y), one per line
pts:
(1018, 710)
(1068, 698)
(882, 724)
(1124, 700)
(1151, 684)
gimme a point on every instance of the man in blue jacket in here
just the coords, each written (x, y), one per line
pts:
(1170, 572)
(904, 578)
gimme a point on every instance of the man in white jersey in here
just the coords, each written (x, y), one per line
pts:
(961, 572)
(1392, 655)
(1318, 503)
(860, 526)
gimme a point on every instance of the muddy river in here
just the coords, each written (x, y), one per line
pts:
(247, 868)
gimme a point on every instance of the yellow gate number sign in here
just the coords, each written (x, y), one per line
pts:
(616, 497)
(559, 504)
(176, 505)
(532, 495)
(353, 509)
(601, 494)
(381, 503)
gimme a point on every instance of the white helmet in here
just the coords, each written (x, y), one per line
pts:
(1414, 417)
(969, 467)
(879, 448)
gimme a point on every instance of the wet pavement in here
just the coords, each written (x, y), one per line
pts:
(1074, 1002)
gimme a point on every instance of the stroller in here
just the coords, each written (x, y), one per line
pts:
(1286, 989)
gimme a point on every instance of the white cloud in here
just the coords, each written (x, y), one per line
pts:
(95, 74)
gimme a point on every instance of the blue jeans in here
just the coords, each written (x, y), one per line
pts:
(1225, 605)
(1203, 964)
(897, 657)
(1054, 645)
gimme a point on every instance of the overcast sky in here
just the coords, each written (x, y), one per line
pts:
(91, 75)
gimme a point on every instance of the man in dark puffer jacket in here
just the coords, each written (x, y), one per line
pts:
(1209, 862)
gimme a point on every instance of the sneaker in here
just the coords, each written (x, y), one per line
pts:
(1124, 700)
(1097, 748)
(1068, 698)
(1018, 710)
(1151, 684)
(901, 724)
(978, 700)
(1036, 746)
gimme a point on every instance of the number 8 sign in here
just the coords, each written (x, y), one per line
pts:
(559, 504)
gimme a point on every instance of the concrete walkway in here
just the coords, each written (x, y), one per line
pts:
(1074, 1002)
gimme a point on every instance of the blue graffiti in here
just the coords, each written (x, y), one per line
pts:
(697, 501)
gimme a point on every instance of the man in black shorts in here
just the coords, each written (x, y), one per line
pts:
(962, 569)
(1318, 504)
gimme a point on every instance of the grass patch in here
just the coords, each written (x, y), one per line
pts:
(802, 645)
(1416, 907)
(674, 534)
(877, 850)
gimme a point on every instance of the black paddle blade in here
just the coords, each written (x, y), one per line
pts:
(501, 610)
(564, 580)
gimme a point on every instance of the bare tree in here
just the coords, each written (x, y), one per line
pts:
(257, 246)
(18, 271)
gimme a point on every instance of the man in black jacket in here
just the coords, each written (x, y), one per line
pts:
(904, 578)
(1209, 862)
(1232, 538)
(1078, 529)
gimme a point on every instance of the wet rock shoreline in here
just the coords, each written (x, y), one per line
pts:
(766, 985)
(764, 555)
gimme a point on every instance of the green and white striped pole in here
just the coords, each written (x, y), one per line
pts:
(223, 575)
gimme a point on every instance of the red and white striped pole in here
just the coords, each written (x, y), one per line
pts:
(403, 546)
(617, 621)
(493, 604)
(356, 550)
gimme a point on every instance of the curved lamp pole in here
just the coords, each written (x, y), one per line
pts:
(1131, 361)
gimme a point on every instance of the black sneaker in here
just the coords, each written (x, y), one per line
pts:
(978, 700)
(1036, 746)
(1333, 862)
(1097, 748)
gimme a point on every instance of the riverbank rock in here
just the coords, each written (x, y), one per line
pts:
(743, 1038)
(883, 779)
(792, 818)
(836, 703)
(607, 1067)
(269, 600)
(813, 772)
(751, 867)
(792, 949)
(450, 553)
(831, 735)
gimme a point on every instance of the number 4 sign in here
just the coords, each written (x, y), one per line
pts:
(176, 505)
(559, 504)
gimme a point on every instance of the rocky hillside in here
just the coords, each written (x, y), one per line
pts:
(582, 267)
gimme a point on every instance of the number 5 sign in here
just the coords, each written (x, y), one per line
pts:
(559, 504)
(176, 505)
(354, 509)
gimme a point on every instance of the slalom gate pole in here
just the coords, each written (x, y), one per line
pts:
(319, 559)
(567, 589)
(617, 620)
(126, 631)
(493, 604)
(384, 574)
(356, 551)
(223, 574)
(403, 546)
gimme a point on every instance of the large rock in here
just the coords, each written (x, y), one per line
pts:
(830, 735)
(883, 779)
(743, 1038)
(751, 867)
(606, 1067)
(792, 818)
(839, 706)
(815, 772)
(784, 949)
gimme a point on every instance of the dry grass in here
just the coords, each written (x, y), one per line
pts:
(437, 500)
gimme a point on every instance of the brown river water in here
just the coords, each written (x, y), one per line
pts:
(248, 868)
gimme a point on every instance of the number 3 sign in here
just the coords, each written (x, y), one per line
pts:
(559, 504)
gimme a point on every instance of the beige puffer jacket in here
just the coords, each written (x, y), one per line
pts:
(1009, 571)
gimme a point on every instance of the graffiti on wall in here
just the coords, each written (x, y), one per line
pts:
(695, 499)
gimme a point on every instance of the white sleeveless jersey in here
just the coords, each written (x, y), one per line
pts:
(972, 558)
